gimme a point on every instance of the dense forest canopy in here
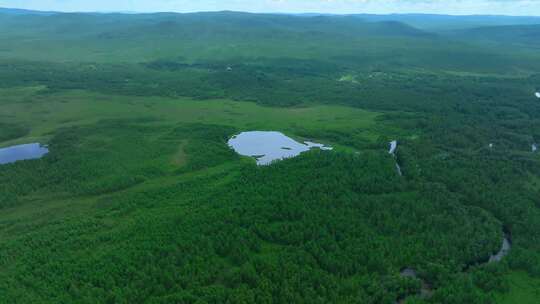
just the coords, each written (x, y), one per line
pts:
(140, 199)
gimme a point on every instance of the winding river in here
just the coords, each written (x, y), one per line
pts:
(393, 148)
(504, 251)
(426, 291)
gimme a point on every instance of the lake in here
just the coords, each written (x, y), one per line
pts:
(268, 146)
(22, 152)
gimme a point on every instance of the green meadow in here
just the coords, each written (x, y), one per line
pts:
(48, 112)
(522, 289)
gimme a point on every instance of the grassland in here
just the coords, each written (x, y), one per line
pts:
(522, 289)
(49, 112)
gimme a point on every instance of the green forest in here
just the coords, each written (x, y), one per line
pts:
(141, 199)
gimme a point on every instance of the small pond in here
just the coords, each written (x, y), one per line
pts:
(267, 146)
(22, 152)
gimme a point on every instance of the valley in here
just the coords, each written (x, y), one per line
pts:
(154, 125)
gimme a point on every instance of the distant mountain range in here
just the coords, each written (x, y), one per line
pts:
(449, 22)
(428, 22)
(510, 34)
(18, 11)
(422, 21)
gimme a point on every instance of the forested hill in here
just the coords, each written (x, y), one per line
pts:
(524, 35)
(447, 22)
(346, 41)
(214, 22)
(422, 21)
(18, 12)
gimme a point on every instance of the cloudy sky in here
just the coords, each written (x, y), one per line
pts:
(504, 7)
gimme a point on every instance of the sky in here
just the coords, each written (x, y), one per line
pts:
(454, 7)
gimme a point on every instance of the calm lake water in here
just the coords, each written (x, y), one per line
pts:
(22, 152)
(267, 146)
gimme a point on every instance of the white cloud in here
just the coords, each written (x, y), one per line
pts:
(506, 7)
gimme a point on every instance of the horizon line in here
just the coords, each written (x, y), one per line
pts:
(264, 13)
